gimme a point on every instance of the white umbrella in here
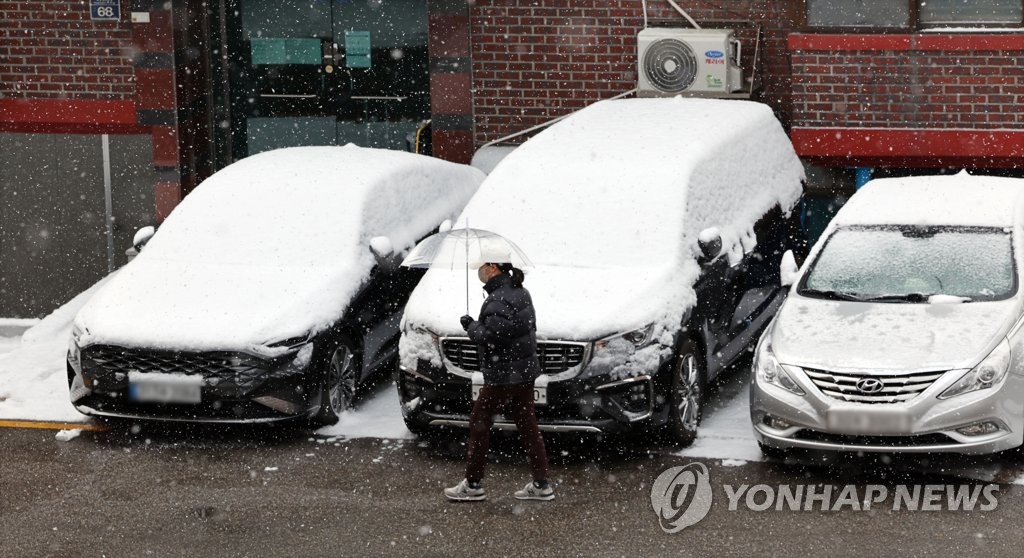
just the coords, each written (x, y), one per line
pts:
(465, 248)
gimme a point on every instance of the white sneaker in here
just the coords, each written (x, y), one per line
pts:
(462, 492)
(531, 492)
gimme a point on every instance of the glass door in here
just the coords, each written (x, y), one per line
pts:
(327, 72)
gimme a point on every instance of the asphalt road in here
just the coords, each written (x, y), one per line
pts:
(278, 492)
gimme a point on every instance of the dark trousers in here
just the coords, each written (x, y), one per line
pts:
(514, 400)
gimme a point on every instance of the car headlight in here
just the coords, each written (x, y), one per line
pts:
(421, 330)
(636, 338)
(418, 343)
(291, 342)
(769, 371)
(986, 374)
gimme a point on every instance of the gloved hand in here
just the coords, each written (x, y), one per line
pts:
(466, 320)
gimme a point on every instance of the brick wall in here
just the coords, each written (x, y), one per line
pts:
(916, 100)
(51, 49)
(907, 81)
(533, 61)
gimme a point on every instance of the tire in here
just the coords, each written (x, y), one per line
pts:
(688, 388)
(338, 381)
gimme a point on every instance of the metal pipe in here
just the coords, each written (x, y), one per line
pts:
(546, 124)
(109, 202)
(684, 14)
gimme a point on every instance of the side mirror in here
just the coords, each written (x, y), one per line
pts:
(381, 247)
(140, 239)
(710, 243)
(788, 270)
(142, 236)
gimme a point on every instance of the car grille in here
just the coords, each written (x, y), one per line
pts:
(223, 365)
(878, 441)
(895, 388)
(554, 357)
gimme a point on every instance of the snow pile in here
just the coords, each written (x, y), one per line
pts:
(380, 416)
(11, 330)
(68, 435)
(726, 433)
(609, 203)
(416, 345)
(33, 378)
(273, 247)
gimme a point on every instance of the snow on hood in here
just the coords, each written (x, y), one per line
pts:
(571, 304)
(835, 335)
(273, 246)
(172, 305)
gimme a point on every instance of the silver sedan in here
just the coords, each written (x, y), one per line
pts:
(896, 338)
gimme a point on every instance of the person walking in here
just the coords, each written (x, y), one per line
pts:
(506, 334)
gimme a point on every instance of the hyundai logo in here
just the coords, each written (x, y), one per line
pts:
(870, 385)
(714, 54)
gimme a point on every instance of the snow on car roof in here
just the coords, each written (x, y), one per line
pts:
(609, 202)
(626, 181)
(300, 204)
(959, 199)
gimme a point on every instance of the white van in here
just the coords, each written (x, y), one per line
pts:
(656, 227)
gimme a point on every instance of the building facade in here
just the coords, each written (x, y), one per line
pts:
(112, 110)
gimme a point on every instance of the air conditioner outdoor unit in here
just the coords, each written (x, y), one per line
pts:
(695, 62)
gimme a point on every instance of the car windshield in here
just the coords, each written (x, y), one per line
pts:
(912, 264)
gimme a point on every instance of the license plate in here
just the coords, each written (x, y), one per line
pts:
(868, 422)
(165, 388)
(540, 392)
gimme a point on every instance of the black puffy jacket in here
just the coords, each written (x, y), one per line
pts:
(506, 334)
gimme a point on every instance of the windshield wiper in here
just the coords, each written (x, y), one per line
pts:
(907, 297)
(834, 295)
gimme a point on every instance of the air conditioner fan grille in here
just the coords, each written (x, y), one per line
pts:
(670, 65)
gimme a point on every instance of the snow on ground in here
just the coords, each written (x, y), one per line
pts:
(10, 333)
(33, 377)
(9, 343)
(377, 416)
(725, 433)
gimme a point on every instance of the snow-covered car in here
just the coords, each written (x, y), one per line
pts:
(902, 332)
(656, 227)
(269, 293)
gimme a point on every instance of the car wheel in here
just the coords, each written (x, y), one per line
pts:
(339, 382)
(688, 387)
